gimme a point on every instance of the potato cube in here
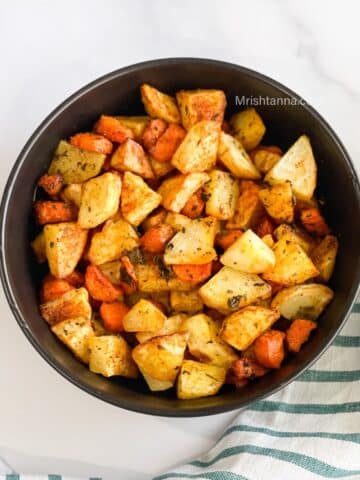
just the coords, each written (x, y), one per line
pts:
(278, 202)
(137, 199)
(177, 221)
(248, 127)
(100, 200)
(157, 385)
(151, 278)
(222, 191)
(72, 304)
(265, 157)
(75, 334)
(176, 191)
(249, 208)
(136, 123)
(110, 355)
(72, 193)
(188, 302)
(241, 328)
(159, 105)
(64, 246)
(171, 325)
(249, 254)
(233, 155)
(74, 164)
(295, 234)
(144, 316)
(161, 169)
(324, 257)
(198, 380)
(130, 156)
(39, 247)
(198, 151)
(230, 289)
(201, 104)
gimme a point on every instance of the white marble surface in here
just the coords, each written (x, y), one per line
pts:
(50, 49)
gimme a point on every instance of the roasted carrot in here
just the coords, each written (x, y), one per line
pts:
(47, 211)
(167, 143)
(226, 238)
(265, 227)
(52, 184)
(247, 368)
(155, 239)
(314, 222)
(193, 273)
(99, 287)
(153, 131)
(112, 315)
(298, 333)
(154, 219)
(128, 276)
(76, 279)
(232, 379)
(269, 348)
(92, 142)
(194, 206)
(112, 129)
(53, 288)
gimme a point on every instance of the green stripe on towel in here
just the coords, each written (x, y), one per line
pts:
(330, 376)
(346, 341)
(218, 475)
(306, 408)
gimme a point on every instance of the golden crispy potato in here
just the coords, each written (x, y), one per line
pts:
(278, 202)
(64, 246)
(75, 334)
(130, 156)
(161, 169)
(297, 235)
(116, 237)
(324, 256)
(298, 167)
(176, 191)
(204, 342)
(100, 200)
(74, 164)
(112, 271)
(247, 126)
(110, 355)
(197, 152)
(229, 290)
(268, 240)
(171, 325)
(188, 302)
(302, 301)
(157, 385)
(178, 285)
(137, 199)
(201, 104)
(233, 155)
(159, 105)
(194, 244)
(144, 316)
(161, 357)
(249, 254)
(249, 208)
(177, 221)
(72, 193)
(151, 278)
(198, 380)
(222, 191)
(72, 304)
(136, 123)
(265, 157)
(292, 265)
(39, 247)
(243, 327)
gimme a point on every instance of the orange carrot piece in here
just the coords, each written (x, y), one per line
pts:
(269, 348)
(298, 333)
(265, 227)
(52, 184)
(47, 211)
(193, 273)
(153, 131)
(155, 239)
(112, 315)
(314, 222)
(167, 144)
(226, 238)
(53, 288)
(92, 142)
(194, 206)
(112, 129)
(99, 287)
(247, 368)
(76, 279)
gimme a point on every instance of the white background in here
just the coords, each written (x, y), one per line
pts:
(50, 49)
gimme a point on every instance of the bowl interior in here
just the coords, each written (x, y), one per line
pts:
(118, 93)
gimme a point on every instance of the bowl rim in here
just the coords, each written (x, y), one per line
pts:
(236, 403)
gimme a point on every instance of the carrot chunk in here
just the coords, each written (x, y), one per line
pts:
(168, 142)
(53, 288)
(298, 333)
(47, 211)
(194, 206)
(112, 129)
(112, 315)
(314, 222)
(76, 279)
(153, 131)
(247, 368)
(99, 287)
(92, 142)
(155, 239)
(265, 227)
(193, 273)
(52, 184)
(269, 348)
(226, 238)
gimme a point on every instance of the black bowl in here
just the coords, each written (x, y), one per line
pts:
(118, 93)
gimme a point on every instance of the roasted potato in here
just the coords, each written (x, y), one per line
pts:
(159, 105)
(38, 246)
(74, 164)
(112, 271)
(198, 151)
(151, 278)
(130, 156)
(241, 328)
(247, 126)
(302, 301)
(100, 200)
(177, 221)
(324, 256)
(249, 208)
(75, 334)
(198, 380)
(298, 167)
(72, 193)
(278, 202)
(136, 123)
(144, 316)
(201, 104)
(110, 355)
(233, 155)
(265, 157)
(297, 235)
(171, 325)
(222, 193)
(230, 289)
(137, 199)
(72, 304)
(161, 169)
(249, 254)
(176, 191)
(64, 246)
(187, 302)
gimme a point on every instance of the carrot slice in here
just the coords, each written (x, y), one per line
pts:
(92, 142)
(76, 279)
(298, 333)
(247, 368)
(47, 211)
(153, 131)
(99, 287)
(167, 144)
(193, 273)
(226, 238)
(314, 222)
(53, 288)
(112, 315)
(265, 227)
(112, 129)
(269, 348)
(194, 206)
(155, 239)
(52, 184)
